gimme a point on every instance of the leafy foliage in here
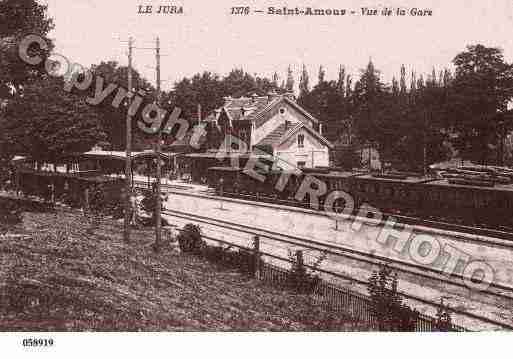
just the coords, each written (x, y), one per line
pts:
(443, 318)
(425, 123)
(47, 123)
(190, 240)
(482, 87)
(300, 278)
(149, 205)
(208, 90)
(387, 304)
(113, 120)
(20, 18)
(242, 260)
(10, 214)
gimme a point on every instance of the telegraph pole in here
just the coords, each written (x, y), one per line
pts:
(424, 145)
(158, 209)
(128, 164)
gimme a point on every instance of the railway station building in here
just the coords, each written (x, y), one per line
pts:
(275, 125)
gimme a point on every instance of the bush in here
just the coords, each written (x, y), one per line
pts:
(149, 204)
(10, 214)
(347, 158)
(240, 259)
(190, 240)
(387, 304)
(443, 318)
(299, 278)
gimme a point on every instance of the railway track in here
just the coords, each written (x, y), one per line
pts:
(506, 233)
(469, 234)
(410, 269)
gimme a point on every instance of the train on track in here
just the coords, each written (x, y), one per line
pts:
(468, 202)
(75, 189)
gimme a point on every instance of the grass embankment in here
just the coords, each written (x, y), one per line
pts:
(63, 276)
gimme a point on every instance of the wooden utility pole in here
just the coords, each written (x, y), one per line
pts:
(128, 164)
(199, 114)
(158, 209)
(424, 145)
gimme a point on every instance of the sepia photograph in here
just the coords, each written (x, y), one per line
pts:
(317, 169)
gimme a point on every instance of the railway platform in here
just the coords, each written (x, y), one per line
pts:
(314, 226)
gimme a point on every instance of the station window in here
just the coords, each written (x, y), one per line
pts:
(300, 140)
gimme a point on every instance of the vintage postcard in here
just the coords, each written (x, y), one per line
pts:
(297, 166)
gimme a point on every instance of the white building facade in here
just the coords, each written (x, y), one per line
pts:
(275, 125)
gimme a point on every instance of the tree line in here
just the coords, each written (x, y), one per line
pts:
(414, 121)
(418, 120)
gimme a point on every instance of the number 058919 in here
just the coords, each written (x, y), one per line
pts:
(37, 342)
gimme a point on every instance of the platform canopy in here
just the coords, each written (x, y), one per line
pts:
(121, 155)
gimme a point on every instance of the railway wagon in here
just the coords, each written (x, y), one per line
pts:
(70, 187)
(223, 178)
(389, 194)
(276, 184)
(474, 205)
(429, 198)
(408, 195)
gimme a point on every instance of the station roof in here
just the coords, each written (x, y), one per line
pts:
(215, 155)
(497, 186)
(406, 179)
(121, 155)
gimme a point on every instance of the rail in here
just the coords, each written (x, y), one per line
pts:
(328, 248)
(334, 298)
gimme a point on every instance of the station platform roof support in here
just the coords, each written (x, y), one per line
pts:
(104, 162)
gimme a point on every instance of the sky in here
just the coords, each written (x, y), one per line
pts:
(208, 38)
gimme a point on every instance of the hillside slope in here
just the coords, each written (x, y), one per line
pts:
(62, 276)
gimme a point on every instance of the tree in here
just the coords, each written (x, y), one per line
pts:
(113, 120)
(370, 102)
(349, 86)
(402, 81)
(289, 86)
(395, 87)
(387, 304)
(19, 18)
(482, 87)
(322, 74)
(341, 87)
(205, 89)
(323, 102)
(47, 123)
(239, 83)
(303, 83)
(275, 80)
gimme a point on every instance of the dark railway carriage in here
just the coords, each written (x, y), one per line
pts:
(337, 181)
(69, 187)
(286, 184)
(236, 182)
(223, 176)
(392, 194)
(475, 205)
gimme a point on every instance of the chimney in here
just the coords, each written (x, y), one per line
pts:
(227, 99)
(271, 95)
(290, 95)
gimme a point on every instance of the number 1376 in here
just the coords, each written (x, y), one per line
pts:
(240, 10)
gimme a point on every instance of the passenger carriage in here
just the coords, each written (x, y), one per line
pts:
(399, 194)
